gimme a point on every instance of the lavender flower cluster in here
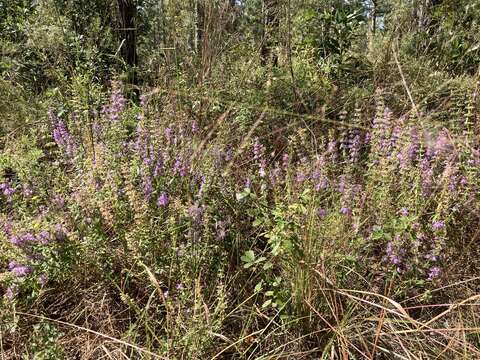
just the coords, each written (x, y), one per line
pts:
(113, 109)
(62, 136)
(344, 172)
(8, 190)
(29, 244)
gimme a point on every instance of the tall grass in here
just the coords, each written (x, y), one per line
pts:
(146, 231)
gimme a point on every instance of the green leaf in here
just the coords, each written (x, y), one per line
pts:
(257, 222)
(242, 195)
(267, 265)
(248, 257)
(259, 286)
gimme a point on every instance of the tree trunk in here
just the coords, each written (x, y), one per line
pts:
(128, 12)
(372, 26)
(231, 25)
(271, 24)
(199, 26)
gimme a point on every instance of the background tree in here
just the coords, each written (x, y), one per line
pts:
(271, 22)
(128, 22)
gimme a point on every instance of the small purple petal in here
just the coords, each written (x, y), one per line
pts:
(433, 273)
(21, 270)
(437, 225)
(163, 199)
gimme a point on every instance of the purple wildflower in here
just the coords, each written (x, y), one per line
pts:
(319, 179)
(196, 211)
(147, 188)
(442, 143)
(402, 158)
(395, 135)
(11, 292)
(345, 210)
(195, 127)
(7, 228)
(21, 270)
(28, 237)
(437, 225)
(275, 175)
(158, 169)
(8, 190)
(332, 149)
(20, 241)
(162, 200)
(116, 104)
(285, 161)
(321, 212)
(181, 167)
(43, 209)
(143, 100)
(258, 150)
(381, 124)
(433, 273)
(368, 137)
(261, 169)
(12, 264)
(321, 183)
(16, 240)
(63, 138)
(301, 177)
(404, 211)
(342, 184)
(44, 237)
(258, 154)
(354, 145)
(147, 155)
(414, 146)
(391, 255)
(427, 177)
(228, 155)
(431, 257)
(27, 191)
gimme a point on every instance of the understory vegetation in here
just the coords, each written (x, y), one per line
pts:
(276, 179)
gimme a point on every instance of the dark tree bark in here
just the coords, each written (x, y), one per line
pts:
(128, 13)
(372, 24)
(232, 8)
(199, 26)
(271, 24)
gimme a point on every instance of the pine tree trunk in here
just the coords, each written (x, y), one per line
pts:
(128, 12)
(271, 24)
(372, 24)
(199, 26)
